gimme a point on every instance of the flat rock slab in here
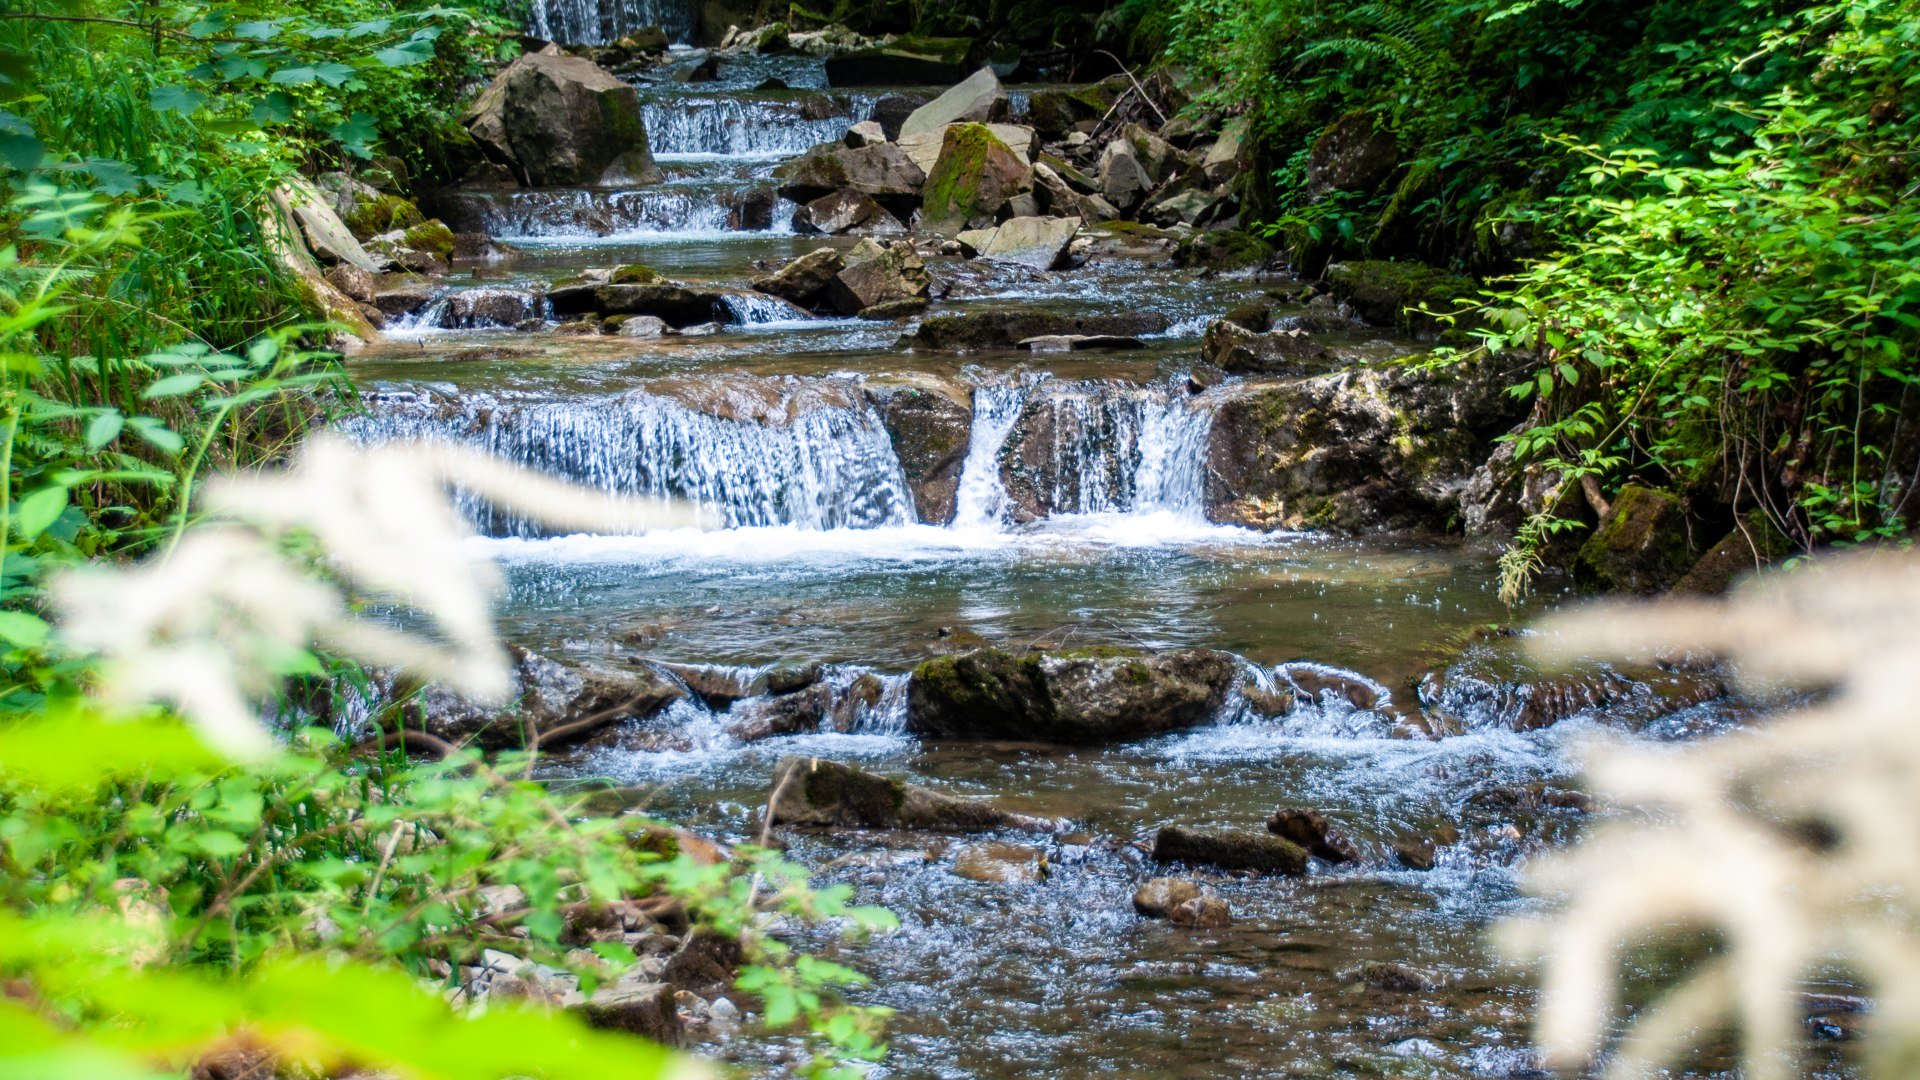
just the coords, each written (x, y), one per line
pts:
(1059, 343)
(814, 791)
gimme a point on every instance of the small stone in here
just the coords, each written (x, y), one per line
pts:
(1158, 897)
(1390, 977)
(724, 1011)
(1201, 912)
(1311, 830)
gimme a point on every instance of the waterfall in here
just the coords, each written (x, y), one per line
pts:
(471, 309)
(826, 466)
(982, 498)
(759, 309)
(697, 125)
(673, 209)
(602, 22)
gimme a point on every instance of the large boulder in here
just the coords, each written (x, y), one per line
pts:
(977, 99)
(906, 61)
(890, 111)
(1229, 850)
(1354, 153)
(1227, 157)
(805, 280)
(813, 791)
(326, 235)
(1359, 450)
(1067, 697)
(1007, 329)
(875, 274)
(561, 120)
(923, 148)
(1752, 544)
(882, 171)
(930, 432)
(553, 704)
(1054, 112)
(1642, 545)
(1038, 242)
(976, 175)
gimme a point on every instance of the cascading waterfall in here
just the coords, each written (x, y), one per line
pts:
(827, 467)
(602, 22)
(1087, 448)
(982, 497)
(701, 125)
(1122, 449)
(664, 209)
(759, 309)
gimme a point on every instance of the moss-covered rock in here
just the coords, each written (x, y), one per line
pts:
(381, 213)
(1229, 850)
(1224, 249)
(1067, 697)
(633, 274)
(432, 237)
(908, 60)
(1640, 546)
(1392, 293)
(975, 176)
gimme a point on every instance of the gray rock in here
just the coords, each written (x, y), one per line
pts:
(882, 171)
(1037, 242)
(805, 280)
(644, 326)
(846, 212)
(864, 133)
(1007, 329)
(1124, 181)
(978, 99)
(554, 701)
(561, 120)
(876, 273)
(1237, 350)
(1311, 830)
(644, 1009)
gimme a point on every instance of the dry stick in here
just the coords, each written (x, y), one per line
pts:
(571, 727)
(380, 740)
(1144, 96)
(386, 858)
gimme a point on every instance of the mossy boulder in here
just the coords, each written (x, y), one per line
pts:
(975, 176)
(1640, 546)
(1354, 153)
(382, 213)
(1229, 849)
(432, 237)
(1076, 698)
(813, 791)
(633, 274)
(1393, 293)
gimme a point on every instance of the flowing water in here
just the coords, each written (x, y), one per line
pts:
(1016, 955)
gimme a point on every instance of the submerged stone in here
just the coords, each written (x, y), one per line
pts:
(1158, 897)
(814, 791)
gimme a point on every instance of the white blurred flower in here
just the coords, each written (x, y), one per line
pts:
(1797, 840)
(210, 627)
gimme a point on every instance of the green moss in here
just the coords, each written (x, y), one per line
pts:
(1228, 250)
(634, 274)
(432, 237)
(383, 213)
(953, 197)
(1391, 293)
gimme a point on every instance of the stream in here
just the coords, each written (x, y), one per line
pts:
(1016, 955)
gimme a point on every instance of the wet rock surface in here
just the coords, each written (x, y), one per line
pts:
(812, 791)
(991, 694)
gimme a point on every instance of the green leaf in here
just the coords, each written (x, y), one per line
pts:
(219, 843)
(158, 435)
(176, 98)
(104, 429)
(22, 629)
(39, 510)
(174, 385)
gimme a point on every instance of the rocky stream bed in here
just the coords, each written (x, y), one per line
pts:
(1132, 560)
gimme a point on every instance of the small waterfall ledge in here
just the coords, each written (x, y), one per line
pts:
(816, 456)
(602, 22)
